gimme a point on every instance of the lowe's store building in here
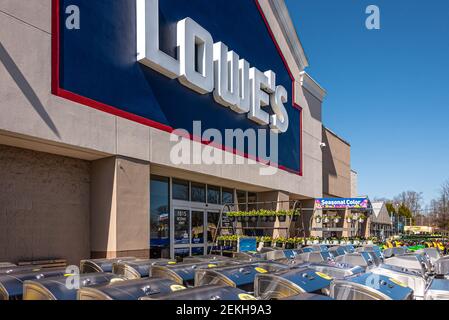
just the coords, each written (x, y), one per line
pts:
(92, 94)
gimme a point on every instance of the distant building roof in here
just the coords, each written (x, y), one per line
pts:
(380, 213)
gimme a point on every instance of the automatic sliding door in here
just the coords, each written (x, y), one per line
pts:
(197, 233)
(182, 227)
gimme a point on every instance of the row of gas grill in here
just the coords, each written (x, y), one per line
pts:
(311, 273)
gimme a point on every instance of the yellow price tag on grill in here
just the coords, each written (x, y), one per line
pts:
(212, 266)
(171, 262)
(245, 296)
(177, 287)
(324, 276)
(261, 270)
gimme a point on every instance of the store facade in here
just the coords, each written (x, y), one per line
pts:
(88, 115)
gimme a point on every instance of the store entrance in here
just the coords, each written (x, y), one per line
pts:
(194, 230)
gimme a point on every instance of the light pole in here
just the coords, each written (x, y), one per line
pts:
(397, 206)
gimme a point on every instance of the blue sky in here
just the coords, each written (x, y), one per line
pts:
(388, 89)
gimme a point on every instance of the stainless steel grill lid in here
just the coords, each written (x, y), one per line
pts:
(372, 248)
(442, 266)
(337, 251)
(290, 282)
(15, 269)
(251, 256)
(411, 261)
(63, 288)
(438, 290)
(412, 278)
(183, 273)
(337, 270)
(433, 254)
(209, 292)
(308, 297)
(396, 251)
(350, 248)
(11, 285)
(206, 258)
(241, 276)
(136, 269)
(101, 265)
(362, 259)
(370, 286)
(129, 289)
(314, 256)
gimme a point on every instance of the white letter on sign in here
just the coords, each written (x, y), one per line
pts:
(226, 66)
(196, 56)
(259, 98)
(279, 121)
(148, 52)
(244, 88)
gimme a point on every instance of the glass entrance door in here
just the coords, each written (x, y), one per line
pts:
(189, 232)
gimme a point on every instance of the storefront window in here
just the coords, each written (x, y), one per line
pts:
(213, 195)
(241, 200)
(198, 192)
(180, 190)
(227, 196)
(159, 217)
(252, 199)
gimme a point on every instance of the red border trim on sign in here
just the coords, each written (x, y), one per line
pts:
(58, 91)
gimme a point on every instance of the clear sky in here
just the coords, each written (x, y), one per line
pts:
(388, 89)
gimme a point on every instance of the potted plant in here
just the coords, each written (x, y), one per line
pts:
(336, 219)
(227, 241)
(221, 241)
(362, 218)
(326, 219)
(239, 216)
(293, 214)
(282, 215)
(271, 216)
(234, 241)
(290, 243)
(263, 215)
(318, 219)
(267, 241)
(231, 216)
(254, 216)
(299, 241)
(280, 242)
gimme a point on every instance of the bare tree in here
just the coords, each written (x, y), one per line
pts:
(439, 207)
(412, 200)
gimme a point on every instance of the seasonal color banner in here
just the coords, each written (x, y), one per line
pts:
(341, 203)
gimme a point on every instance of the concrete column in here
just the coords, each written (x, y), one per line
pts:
(120, 206)
(306, 218)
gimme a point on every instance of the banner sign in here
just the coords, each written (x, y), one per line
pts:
(169, 63)
(341, 203)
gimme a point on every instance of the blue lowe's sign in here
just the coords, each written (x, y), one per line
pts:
(168, 63)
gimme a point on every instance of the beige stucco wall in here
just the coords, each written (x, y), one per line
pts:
(44, 206)
(31, 112)
(336, 166)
